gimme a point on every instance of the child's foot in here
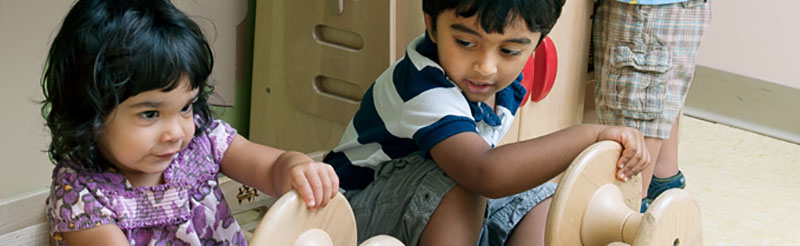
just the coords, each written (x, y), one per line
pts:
(645, 203)
(659, 185)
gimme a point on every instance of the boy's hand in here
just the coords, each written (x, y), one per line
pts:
(316, 182)
(635, 156)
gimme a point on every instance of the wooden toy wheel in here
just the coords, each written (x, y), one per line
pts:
(672, 219)
(290, 222)
(591, 207)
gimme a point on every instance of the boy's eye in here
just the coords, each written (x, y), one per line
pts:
(149, 114)
(511, 52)
(464, 43)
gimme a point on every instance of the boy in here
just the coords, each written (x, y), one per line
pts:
(419, 161)
(648, 94)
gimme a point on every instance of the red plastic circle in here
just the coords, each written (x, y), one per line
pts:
(539, 73)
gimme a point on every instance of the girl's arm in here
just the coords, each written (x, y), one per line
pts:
(103, 235)
(513, 168)
(275, 171)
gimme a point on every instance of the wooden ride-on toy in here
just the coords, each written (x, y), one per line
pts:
(592, 207)
(290, 222)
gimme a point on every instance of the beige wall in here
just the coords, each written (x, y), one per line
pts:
(754, 39)
(219, 21)
(26, 28)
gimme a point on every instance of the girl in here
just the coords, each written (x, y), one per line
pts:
(137, 152)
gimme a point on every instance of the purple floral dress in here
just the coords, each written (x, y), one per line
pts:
(188, 209)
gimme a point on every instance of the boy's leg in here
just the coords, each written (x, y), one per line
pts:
(532, 226)
(518, 219)
(641, 93)
(664, 173)
(411, 196)
(626, 94)
(667, 160)
(654, 146)
(459, 213)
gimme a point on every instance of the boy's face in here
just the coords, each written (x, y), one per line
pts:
(142, 134)
(480, 63)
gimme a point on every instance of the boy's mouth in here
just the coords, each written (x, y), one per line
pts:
(478, 87)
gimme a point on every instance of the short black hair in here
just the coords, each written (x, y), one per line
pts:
(495, 15)
(107, 51)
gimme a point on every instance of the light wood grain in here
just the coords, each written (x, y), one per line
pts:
(592, 169)
(289, 218)
(38, 234)
(673, 219)
(563, 107)
(305, 90)
(290, 222)
(592, 207)
(23, 219)
(23, 210)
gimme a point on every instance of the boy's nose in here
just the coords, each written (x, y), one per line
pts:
(486, 65)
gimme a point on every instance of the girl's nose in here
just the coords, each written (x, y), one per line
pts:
(173, 131)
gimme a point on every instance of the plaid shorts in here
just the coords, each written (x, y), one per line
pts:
(644, 57)
(406, 191)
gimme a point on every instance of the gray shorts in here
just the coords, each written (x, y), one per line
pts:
(406, 191)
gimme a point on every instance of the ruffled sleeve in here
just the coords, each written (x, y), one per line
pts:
(76, 203)
(219, 134)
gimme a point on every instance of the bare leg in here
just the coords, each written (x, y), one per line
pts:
(532, 226)
(654, 147)
(457, 220)
(667, 165)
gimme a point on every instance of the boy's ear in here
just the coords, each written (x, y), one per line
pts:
(429, 27)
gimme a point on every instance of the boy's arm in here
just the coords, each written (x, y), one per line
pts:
(275, 171)
(513, 168)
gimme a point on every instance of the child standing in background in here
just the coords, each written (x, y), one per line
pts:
(137, 151)
(645, 55)
(419, 159)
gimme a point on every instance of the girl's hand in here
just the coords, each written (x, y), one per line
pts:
(316, 182)
(635, 156)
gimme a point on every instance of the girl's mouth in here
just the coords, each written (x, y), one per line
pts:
(167, 155)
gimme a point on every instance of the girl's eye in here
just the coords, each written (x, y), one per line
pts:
(187, 108)
(511, 52)
(464, 43)
(149, 114)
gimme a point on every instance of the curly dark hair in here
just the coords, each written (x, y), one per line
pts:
(494, 15)
(107, 51)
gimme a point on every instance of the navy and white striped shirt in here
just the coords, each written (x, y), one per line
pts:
(411, 107)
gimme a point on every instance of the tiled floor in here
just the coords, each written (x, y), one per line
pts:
(746, 184)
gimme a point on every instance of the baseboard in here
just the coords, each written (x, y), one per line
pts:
(751, 104)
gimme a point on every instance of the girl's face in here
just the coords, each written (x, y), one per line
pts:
(142, 135)
(480, 63)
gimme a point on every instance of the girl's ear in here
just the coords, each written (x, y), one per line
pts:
(429, 27)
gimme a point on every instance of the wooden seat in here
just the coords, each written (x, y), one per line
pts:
(592, 207)
(24, 221)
